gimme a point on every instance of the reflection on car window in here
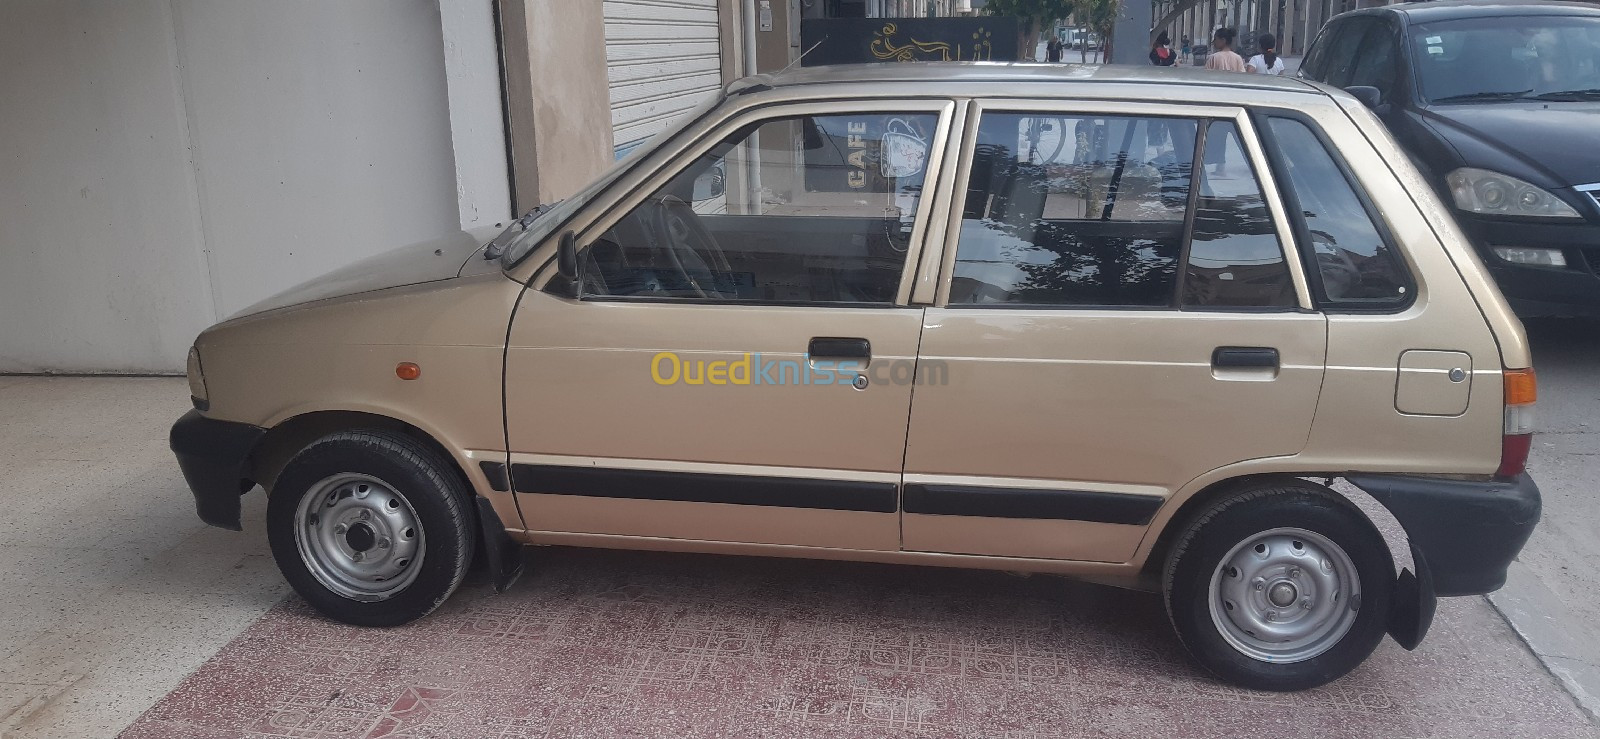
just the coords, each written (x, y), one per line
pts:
(1529, 54)
(810, 209)
(1235, 259)
(1074, 210)
(1092, 211)
(1357, 268)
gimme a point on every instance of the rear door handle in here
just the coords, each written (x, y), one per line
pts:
(1245, 357)
(826, 347)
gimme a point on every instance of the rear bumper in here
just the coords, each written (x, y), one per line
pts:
(1468, 531)
(213, 456)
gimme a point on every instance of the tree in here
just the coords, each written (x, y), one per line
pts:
(1032, 18)
(1100, 17)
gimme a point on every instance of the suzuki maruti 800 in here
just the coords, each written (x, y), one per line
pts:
(1121, 324)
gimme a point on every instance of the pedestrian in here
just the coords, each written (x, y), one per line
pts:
(1160, 54)
(1188, 48)
(1224, 58)
(1268, 61)
(1052, 50)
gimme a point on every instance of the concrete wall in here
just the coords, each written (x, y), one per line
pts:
(101, 254)
(164, 163)
(558, 100)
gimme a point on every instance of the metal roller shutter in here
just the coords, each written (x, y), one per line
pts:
(663, 58)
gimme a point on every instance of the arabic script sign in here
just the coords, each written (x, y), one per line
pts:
(856, 40)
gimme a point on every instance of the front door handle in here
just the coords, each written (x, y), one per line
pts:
(826, 347)
(1245, 357)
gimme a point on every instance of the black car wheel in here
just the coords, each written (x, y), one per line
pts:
(370, 527)
(1285, 587)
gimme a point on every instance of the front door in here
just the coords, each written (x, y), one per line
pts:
(707, 376)
(1117, 318)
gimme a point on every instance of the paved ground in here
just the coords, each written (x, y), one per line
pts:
(112, 589)
(115, 593)
(637, 644)
(1553, 596)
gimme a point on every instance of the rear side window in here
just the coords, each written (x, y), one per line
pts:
(1115, 211)
(1072, 210)
(1356, 266)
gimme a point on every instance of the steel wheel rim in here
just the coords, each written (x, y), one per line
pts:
(1285, 595)
(359, 537)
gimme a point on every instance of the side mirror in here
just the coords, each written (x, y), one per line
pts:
(1369, 96)
(710, 184)
(567, 257)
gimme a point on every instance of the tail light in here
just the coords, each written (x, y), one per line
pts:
(1517, 436)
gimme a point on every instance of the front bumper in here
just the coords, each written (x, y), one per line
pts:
(1466, 533)
(1534, 291)
(213, 456)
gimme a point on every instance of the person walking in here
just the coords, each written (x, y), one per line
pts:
(1160, 53)
(1188, 49)
(1052, 50)
(1268, 61)
(1223, 58)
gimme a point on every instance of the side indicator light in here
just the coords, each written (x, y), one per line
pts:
(407, 371)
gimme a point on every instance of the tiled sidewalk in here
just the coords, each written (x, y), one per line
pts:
(617, 644)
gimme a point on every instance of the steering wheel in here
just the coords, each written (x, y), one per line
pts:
(692, 248)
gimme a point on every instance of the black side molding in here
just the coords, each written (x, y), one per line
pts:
(496, 472)
(1067, 505)
(694, 487)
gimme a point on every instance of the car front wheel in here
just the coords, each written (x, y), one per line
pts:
(1284, 587)
(370, 527)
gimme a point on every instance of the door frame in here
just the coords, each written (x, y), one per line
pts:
(617, 201)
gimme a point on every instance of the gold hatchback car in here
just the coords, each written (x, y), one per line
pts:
(1122, 324)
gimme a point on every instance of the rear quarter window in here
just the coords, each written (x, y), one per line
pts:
(1350, 253)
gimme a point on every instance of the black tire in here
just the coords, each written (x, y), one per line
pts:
(426, 482)
(1200, 550)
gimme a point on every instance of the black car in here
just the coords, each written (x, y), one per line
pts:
(1498, 103)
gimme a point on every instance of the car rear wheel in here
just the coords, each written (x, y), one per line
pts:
(370, 527)
(1285, 587)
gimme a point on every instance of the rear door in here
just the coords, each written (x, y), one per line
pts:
(1115, 317)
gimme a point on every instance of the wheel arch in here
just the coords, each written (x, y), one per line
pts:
(283, 440)
(286, 438)
(1174, 524)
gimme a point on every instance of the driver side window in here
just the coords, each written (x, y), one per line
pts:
(804, 209)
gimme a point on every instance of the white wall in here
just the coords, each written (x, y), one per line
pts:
(164, 163)
(100, 247)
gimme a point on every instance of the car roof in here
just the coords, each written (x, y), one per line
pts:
(929, 77)
(1438, 10)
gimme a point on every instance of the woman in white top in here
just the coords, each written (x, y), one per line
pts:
(1268, 61)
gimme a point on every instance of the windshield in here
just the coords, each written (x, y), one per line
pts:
(1506, 57)
(557, 214)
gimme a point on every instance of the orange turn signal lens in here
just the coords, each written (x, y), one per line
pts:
(410, 371)
(1521, 388)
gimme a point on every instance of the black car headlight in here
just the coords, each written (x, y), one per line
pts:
(1495, 194)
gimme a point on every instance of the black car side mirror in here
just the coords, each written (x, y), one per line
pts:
(1368, 95)
(567, 256)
